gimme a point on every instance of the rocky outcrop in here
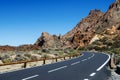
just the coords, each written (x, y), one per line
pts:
(81, 35)
(46, 40)
(109, 19)
(85, 23)
(96, 23)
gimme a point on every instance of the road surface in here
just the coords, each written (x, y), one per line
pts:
(85, 67)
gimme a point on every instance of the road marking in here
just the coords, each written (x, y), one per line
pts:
(91, 56)
(82, 55)
(30, 77)
(86, 79)
(57, 69)
(104, 63)
(84, 59)
(75, 63)
(92, 74)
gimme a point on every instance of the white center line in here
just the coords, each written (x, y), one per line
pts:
(91, 56)
(84, 59)
(30, 77)
(92, 74)
(82, 55)
(56, 69)
(75, 63)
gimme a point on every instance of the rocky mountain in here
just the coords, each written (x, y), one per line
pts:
(70, 39)
(96, 23)
(84, 33)
(46, 40)
(81, 34)
(110, 18)
(85, 23)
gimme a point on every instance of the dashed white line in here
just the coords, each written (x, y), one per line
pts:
(30, 77)
(86, 79)
(56, 69)
(104, 63)
(75, 63)
(84, 59)
(92, 74)
(82, 55)
(91, 56)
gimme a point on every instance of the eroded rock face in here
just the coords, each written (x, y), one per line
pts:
(47, 40)
(81, 35)
(85, 24)
(96, 23)
(110, 18)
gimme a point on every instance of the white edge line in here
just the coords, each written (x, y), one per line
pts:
(92, 74)
(56, 69)
(30, 77)
(104, 63)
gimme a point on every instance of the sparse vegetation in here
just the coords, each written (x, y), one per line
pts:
(14, 56)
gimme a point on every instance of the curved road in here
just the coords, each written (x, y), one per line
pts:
(85, 67)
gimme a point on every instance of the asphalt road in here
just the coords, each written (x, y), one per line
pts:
(85, 67)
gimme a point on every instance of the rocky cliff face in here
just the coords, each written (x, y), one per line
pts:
(81, 35)
(46, 40)
(110, 18)
(96, 23)
(85, 23)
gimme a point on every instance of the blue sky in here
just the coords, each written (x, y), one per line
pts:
(23, 21)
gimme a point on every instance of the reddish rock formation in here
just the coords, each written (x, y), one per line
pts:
(110, 18)
(81, 35)
(96, 22)
(47, 40)
(85, 23)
